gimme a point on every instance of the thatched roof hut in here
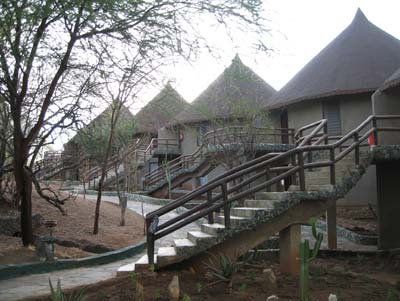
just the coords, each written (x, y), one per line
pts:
(237, 87)
(161, 110)
(393, 82)
(359, 60)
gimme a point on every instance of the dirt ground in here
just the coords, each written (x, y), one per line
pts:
(350, 278)
(360, 219)
(76, 228)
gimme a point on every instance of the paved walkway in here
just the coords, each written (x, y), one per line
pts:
(137, 207)
(37, 285)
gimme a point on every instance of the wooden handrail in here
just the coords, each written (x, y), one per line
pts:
(185, 161)
(257, 166)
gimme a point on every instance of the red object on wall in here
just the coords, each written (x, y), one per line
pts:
(371, 139)
(180, 136)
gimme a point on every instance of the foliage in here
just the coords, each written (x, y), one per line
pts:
(168, 176)
(58, 295)
(392, 296)
(223, 269)
(186, 298)
(307, 256)
(56, 56)
(134, 277)
(94, 138)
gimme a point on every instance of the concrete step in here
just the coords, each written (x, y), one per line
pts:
(326, 176)
(266, 204)
(319, 181)
(248, 212)
(327, 187)
(166, 256)
(183, 243)
(212, 229)
(199, 236)
(183, 246)
(235, 220)
(140, 265)
(272, 195)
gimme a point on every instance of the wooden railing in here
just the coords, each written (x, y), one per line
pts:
(273, 168)
(175, 166)
(95, 172)
(229, 135)
(162, 145)
(53, 162)
(248, 135)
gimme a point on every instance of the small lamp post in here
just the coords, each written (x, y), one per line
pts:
(49, 240)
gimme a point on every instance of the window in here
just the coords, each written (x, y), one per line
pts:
(331, 111)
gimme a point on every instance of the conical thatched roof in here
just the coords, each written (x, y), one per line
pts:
(392, 82)
(160, 111)
(238, 86)
(358, 60)
(102, 119)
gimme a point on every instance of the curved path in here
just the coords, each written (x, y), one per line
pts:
(37, 285)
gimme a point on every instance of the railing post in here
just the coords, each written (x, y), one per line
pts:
(326, 140)
(227, 212)
(293, 161)
(267, 174)
(209, 201)
(374, 125)
(357, 149)
(302, 178)
(332, 165)
(150, 248)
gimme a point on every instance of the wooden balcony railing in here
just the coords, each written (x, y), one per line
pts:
(229, 135)
(248, 135)
(271, 168)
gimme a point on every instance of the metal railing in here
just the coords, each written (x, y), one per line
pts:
(273, 168)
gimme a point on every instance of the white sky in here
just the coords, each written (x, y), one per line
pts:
(300, 29)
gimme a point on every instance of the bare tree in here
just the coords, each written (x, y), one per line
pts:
(50, 49)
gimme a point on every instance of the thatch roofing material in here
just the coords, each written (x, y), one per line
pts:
(238, 85)
(358, 60)
(160, 111)
(103, 119)
(392, 82)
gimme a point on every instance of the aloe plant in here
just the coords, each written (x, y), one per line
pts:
(307, 256)
(58, 295)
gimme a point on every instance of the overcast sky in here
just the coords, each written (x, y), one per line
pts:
(300, 29)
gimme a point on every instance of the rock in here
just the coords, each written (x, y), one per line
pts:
(10, 224)
(173, 289)
(332, 297)
(270, 278)
(272, 298)
(139, 292)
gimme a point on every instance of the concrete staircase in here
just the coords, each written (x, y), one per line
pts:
(257, 219)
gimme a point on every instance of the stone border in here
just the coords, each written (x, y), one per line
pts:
(16, 270)
(352, 236)
(130, 196)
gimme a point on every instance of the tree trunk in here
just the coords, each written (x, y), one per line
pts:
(23, 181)
(114, 119)
(98, 201)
